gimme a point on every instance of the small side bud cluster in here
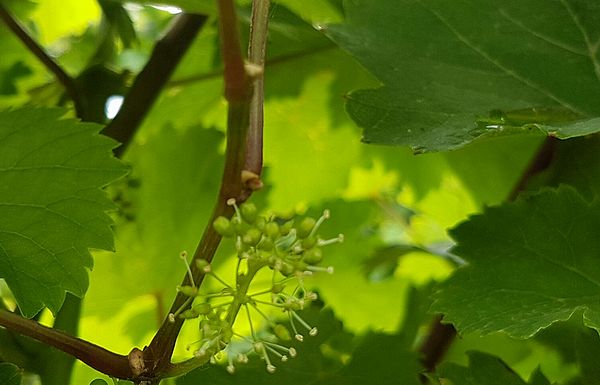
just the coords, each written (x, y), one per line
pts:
(292, 250)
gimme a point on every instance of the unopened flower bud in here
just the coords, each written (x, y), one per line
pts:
(249, 212)
(305, 227)
(223, 226)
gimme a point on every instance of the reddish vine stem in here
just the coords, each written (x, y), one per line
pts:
(442, 335)
(166, 55)
(21, 33)
(238, 93)
(256, 56)
(97, 357)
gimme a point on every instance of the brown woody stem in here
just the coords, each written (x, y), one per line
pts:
(107, 362)
(238, 92)
(166, 55)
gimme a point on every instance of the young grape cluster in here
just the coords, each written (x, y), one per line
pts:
(292, 250)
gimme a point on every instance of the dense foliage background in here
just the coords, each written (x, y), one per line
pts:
(474, 88)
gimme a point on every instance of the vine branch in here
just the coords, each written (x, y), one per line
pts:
(97, 357)
(21, 33)
(166, 55)
(238, 93)
(256, 56)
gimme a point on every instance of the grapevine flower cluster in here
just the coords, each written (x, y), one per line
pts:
(292, 250)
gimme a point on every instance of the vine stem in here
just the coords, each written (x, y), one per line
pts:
(441, 335)
(153, 363)
(256, 56)
(166, 55)
(107, 362)
(239, 94)
(36, 49)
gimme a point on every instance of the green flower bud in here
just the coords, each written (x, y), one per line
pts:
(239, 227)
(313, 256)
(252, 237)
(272, 230)
(249, 212)
(260, 223)
(305, 227)
(287, 269)
(309, 243)
(287, 226)
(272, 261)
(259, 348)
(203, 308)
(223, 227)
(190, 291)
(266, 244)
(189, 314)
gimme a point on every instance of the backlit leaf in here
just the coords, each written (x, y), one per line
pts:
(51, 207)
(530, 263)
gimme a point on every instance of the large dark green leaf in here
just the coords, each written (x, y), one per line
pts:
(455, 71)
(531, 263)
(51, 207)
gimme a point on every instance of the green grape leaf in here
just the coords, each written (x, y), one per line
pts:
(10, 374)
(52, 210)
(371, 303)
(314, 367)
(453, 72)
(530, 263)
(485, 369)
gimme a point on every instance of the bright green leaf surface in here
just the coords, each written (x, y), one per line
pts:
(531, 263)
(10, 374)
(454, 71)
(59, 18)
(485, 369)
(175, 181)
(370, 304)
(51, 207)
